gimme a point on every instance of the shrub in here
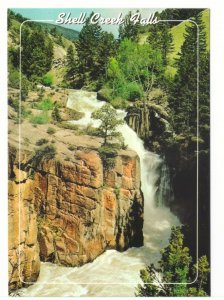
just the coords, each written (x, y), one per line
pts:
(51, 130)
(119, 102)
(24, 88)
(48, 79)
(40, 119)
(68, 126)
(46, 152)
(41, 142)
(14, 103)
(13, 78)
(56, 114)
(45, 104)
(71, 148)
(108, 154)
(134, 91)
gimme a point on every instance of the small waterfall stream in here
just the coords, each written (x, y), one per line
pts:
(114, 273)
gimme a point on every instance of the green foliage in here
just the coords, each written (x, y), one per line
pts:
(183, 98)
(37, 52)
(40, 118)
(13, 78)
(13, 57)
(71, 147)
(175, 266)
(107, 130)
(42, 141)
(108, 155)
(51, 130)
(45, 104)
(129, 30)
(71, 67)
(134, 71)
(161, 38)
(48, 79)
(94, 48)
(119, 103)
(56, 116)
(46, 152)
(69, 126)
(109, 123)
(25, 85)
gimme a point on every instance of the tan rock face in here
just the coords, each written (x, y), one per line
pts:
(72, 211)
(24, 261)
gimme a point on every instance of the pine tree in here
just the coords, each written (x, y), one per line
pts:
(174, 266)
(88, 51)
(160, 37)
(183, 101)
(37, 53)
(71, 68)
(129, 30)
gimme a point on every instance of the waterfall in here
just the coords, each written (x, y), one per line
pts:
(114, 273)
(165, 191)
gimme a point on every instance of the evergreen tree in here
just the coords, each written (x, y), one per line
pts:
(109, 123)
(107, 49)
(37, 53)
(94, 49)
(129, 30)
(88, 51)
(183, 101)
(174, 266)
(160, 37)
(71, 68)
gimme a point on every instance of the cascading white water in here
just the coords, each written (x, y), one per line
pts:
(165, 192)
(113, 273)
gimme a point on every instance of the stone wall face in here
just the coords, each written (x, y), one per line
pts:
(72, 211)
(24, 261)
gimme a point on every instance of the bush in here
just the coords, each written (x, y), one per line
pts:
(46, 152)
(45, 104)
(68, 126)
(14, 103)
(108, 154)
(51, 130)
(48, 79)
(14, 79)
(40, 119)
(71, 148)
(41, 142)
(119, 103)
(24, 88)
(56, 116)
(134, 91)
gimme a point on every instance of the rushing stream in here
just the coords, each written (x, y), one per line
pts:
(114, 273)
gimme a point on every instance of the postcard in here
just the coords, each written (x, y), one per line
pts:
(109, 152)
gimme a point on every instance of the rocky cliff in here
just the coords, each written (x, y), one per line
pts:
(70, 209)
(150, 119)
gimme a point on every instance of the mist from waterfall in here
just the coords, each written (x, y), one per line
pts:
(114, 273)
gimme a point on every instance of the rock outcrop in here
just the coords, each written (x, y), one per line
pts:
(24, 261)
(70, 210)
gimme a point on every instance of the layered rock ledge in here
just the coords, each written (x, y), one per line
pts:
(68, 209)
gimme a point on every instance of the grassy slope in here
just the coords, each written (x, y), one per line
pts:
(178, 39)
